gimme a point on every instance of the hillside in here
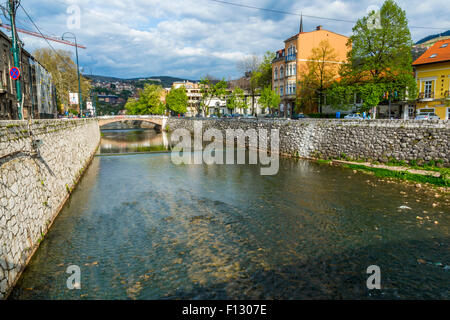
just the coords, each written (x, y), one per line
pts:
(431, 37)
(166, 81)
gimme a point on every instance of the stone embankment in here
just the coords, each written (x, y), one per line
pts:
(40, 163)
(375, 140)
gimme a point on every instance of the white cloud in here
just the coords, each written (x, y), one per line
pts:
(190, 38)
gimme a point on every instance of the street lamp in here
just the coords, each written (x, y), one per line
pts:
(78, 70)
(91, 93)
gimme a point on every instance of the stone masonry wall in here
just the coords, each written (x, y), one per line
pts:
(40, 163)
(376, 140)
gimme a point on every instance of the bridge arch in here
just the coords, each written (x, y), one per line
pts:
(158, 121)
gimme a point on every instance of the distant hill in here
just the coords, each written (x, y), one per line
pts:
(165, 81)
(431, 37)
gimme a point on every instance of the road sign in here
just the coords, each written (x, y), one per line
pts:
(73, 98)
(14, 73)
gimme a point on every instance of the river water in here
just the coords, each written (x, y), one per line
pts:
(140, 227)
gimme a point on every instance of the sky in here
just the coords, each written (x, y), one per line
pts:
(192, 38)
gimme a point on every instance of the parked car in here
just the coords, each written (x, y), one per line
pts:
(297, 116)
(227, 116)
(248, 116)
(213, 116)
(236, 115)
(354, 116)
(427, 116)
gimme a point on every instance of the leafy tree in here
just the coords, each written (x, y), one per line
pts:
(263, 76)
(340, 96)
(64, 74)
(269, 98)
(236, 100)
(249, 67)
(259, 72)
(177, 100)
(103, 108)
(210, 90)
(125, 94)
(317, 74)
(380, 53)
(380, 62)
(149, 101)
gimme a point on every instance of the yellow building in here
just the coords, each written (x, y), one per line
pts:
(433, 80)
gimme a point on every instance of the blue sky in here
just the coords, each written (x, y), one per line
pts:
(191, 38)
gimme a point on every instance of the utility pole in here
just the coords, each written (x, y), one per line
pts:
(12, 6)
(80, 98)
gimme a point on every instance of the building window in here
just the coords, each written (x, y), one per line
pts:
(428, 89)
(276, 74)
(281, 90)
(295, 69)
(281, 73)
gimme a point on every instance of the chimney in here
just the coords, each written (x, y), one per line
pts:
(319, 28)
(301, 23)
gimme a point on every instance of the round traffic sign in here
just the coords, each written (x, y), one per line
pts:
(14, 73)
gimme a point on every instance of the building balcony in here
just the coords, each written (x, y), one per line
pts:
(426, 96)
(291, 57)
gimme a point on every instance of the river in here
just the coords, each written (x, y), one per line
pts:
(140, 227)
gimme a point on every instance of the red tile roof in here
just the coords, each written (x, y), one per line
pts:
(439, 52)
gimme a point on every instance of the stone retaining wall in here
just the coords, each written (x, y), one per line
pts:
(40, 163)
(376, 140)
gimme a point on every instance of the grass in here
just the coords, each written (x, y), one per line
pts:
(442, 181)
(150, 149)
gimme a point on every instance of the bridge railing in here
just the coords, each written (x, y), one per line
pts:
(133, 117)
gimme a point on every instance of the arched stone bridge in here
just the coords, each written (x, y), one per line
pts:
(159, 121)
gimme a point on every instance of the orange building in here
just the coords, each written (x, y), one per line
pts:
(293, 58)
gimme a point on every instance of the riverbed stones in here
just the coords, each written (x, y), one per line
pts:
(32, 183)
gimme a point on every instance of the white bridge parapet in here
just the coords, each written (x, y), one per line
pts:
(158, 120)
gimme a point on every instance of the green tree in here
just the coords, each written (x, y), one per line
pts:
(177, 100)
(149, 102)
(125, 94)
(381, 52)
(269, 99)
(210, 89)
(236, 100)
(263, 75)
(380, 61)
(259, 72)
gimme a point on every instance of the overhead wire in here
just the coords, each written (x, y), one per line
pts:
(304, 15)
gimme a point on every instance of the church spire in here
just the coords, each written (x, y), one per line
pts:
(301, 23)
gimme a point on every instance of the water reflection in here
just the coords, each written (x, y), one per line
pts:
(133, 140)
